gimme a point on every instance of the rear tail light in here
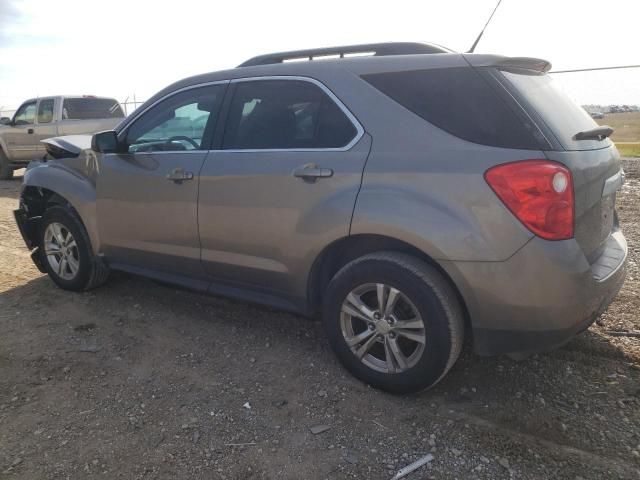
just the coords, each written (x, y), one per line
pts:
(539, 193)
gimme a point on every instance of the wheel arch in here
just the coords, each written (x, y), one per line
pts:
(342, 251)
(58, 186)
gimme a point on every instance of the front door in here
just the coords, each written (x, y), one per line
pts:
(281, 185)
(20, 138)
(147, 195)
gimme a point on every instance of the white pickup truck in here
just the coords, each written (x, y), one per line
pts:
(40, 118)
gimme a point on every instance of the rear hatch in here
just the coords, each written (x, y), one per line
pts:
(580, 144)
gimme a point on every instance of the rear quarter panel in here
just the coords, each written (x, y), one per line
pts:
(426, 187)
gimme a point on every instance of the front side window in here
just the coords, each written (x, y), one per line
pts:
(178, 123)
(285, 114)
(26, 114)
(45, 111)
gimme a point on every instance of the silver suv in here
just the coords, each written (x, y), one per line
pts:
(410, 195)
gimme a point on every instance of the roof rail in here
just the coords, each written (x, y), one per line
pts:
(374, 49)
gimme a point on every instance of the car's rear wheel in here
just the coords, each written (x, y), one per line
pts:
(6, 170)
(394, 321)
(66, 251)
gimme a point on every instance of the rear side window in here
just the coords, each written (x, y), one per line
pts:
(90, 108)
(459, 101)
(45, 111)
(285, 114)
(561, 114)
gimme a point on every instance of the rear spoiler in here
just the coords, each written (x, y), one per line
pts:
(525, 63)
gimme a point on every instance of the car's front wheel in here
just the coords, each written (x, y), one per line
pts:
(66, 251)
(394, 321)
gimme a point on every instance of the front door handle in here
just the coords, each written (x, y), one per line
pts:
(178, 175)
(30, 130)
(311, 172)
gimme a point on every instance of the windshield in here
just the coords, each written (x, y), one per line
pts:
(560, 114)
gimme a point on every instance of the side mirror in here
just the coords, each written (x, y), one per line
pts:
(5, 121)
(105, 142)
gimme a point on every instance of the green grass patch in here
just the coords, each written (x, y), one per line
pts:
(629, 149)
(626, 126)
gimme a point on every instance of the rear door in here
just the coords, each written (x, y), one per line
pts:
(20, 138)
(147, 195)
(594, 163)
(281, 184)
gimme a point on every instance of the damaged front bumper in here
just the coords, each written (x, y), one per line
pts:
(29, 230)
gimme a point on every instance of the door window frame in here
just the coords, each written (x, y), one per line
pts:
(26, 105)
(208, 133)
(354, 121)
(214, 140)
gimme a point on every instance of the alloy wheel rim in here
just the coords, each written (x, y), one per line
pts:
(61, 251)
(383, 328)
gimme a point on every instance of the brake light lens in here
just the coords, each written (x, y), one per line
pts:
(539, 193)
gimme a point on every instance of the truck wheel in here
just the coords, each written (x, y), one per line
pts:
(393, 321)
(66, 251)
(6, 170)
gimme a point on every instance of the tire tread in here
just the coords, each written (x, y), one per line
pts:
(436, 282)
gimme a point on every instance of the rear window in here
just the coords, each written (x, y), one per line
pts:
(560, 114)
(90, 108)
(459, 101)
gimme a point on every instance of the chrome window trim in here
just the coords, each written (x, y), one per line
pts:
(354, 121)
(172, 152)
(133, 119)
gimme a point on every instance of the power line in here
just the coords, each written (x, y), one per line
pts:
(594, 69)
(473, 47)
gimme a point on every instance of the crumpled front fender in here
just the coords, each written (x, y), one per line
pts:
(70, 184)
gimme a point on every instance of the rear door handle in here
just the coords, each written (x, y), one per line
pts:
(311, 172)
(30, 130)
(178, 175)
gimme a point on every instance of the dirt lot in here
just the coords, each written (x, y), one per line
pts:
(139, 380)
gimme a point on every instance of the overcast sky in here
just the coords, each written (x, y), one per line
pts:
(121, 47)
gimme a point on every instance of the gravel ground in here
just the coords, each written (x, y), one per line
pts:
(140, 380)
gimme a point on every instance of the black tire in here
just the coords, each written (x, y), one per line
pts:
(6, 170)
(92, 272)
(429, 292)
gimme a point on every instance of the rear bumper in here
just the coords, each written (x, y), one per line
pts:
(540, 297)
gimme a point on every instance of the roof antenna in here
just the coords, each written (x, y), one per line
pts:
(473, 47)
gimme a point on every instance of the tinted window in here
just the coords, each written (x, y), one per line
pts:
(45, 111)
(178, 123)
(277, 114)
(26, 114)
(90, 108)
(563, 116)
(459, 101)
